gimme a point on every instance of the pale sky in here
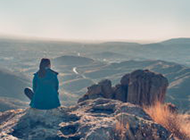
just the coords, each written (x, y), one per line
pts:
(96, 19)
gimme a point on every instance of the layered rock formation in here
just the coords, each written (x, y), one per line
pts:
(141, 87)
(99, 119)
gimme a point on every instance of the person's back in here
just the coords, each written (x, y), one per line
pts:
(45, 89)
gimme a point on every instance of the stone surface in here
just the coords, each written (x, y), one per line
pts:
(89, 120)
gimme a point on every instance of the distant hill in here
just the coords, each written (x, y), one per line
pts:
(12, 85)
(11, 103)
(178, 41)
(178, 76)
(172, 50)
(78, 72)
(120, 43)
(72, 60)
(109, 56)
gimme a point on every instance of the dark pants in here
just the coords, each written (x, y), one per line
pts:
(29, 93)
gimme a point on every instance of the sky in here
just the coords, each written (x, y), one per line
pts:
(95, 19)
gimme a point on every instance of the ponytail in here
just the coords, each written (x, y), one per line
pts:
(45, 62)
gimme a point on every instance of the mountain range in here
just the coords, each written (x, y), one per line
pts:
(83, 64)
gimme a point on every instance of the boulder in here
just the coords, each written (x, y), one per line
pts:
(102, 89)
(120, 92)
(145, 87)
(106, 88)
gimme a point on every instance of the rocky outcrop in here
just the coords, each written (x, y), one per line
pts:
(96, 116)
(99, 119)
(141, 87)
(102, 89)
(145, 87)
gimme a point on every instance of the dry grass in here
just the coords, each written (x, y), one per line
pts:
(120, 129)
(178, 124)
(123, 130)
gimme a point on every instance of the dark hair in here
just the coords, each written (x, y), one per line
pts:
(45, 62)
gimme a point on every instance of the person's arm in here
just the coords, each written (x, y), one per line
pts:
(34, 86)
(56, 83)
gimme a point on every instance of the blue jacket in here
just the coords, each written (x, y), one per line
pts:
(45, 89)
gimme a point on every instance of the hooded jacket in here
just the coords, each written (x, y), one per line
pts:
(45, 89)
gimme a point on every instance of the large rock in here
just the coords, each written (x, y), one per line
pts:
(141, 87)
(145, 87)
(99, 119)
(120, 92)
(102, 89)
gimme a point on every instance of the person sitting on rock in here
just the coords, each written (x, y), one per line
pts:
(45, 93)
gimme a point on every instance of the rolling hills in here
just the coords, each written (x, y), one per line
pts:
(83, 64)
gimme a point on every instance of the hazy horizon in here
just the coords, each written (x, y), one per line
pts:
(120, 20)
(29, 38)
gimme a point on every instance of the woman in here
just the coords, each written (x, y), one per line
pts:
(45, 87)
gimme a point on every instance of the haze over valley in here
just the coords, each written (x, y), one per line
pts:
(83, 64)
